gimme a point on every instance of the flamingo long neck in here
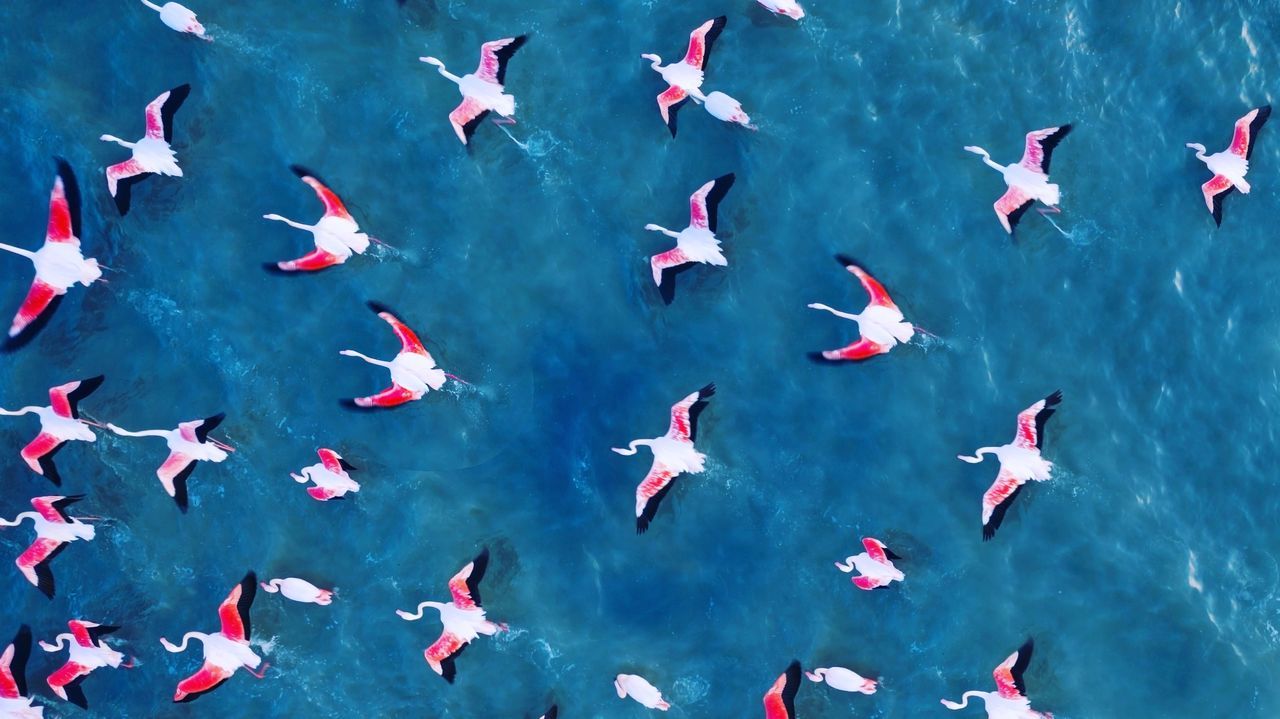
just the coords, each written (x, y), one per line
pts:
(141, 433)
(986, 157)
(18, 519)
(18, 251)
(368, 359)
(273, 586)
(185, 638)
(977, 456)
(17, 412)
(631, 448)
(817, 675)
(152, 5)
(441, 69)
(57, 643)
(421, 607)
(655, 62)
(118, 141)
(665, 231)
(964, 699)
(290, 222)
(1200, 151)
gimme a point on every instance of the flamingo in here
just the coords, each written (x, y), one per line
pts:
(726, 109)
(673, 454)
(180, 18)
(226, 650)
(151, 154)
(1020, 461)
(780, 700)
(88, 651)
(59, 422)
(59, 263)
(875, 566)
(14, 703)
(54, 530)
(189, 443)
(697, 242)
(880, 324)
(462, 616)
(482, 90)
(1230, 166)
(413, 370)
(330, 476)
(639, 689)
(299, 590)
(1028, 180)
(789, 8)
(845, 680)
(336, 235)
(684, 78)
(1009, 701)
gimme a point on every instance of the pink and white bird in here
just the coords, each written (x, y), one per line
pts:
(1020, 462)
(152, 154)
(1230, 166)
(59, 263)
(413, 370)
(463, 618)
(87, 652)
(1009, 701)
(881, 324)
(780, 700)
(14, 702)
(179, 17)
(697, 242)
(189, 443)
(299, 590)
(875, 566)
(336, 235)
(789, 8)
(59, 422)
(845, 680)
(225, 651)
(684, 78)
(673, 455)
(330, 477)
(639, 689)
(1028, 180)
(483, 91)
(726, 109)
(54, 530)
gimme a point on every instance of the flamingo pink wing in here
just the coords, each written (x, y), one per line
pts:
(490, 63)
(879, 296)
(80, 632)
(874, 550)
(333, 206)
(393, 396)
(700, 40)
(1006, 681)
(868, 583)
(657, 480)
(43, 444)
(314, 260)
(47, 509)
(321, 494)
(155, 117)
(1242, 138)
(409, 341)
(38, 299)
(860, 350)
(233, 625)
(1010, 206)
(330, 460)
(459, 589)
(446, 646)
(122, 171)
(670, 97)
(68, 673)
(209, 676)
(465, 116)
(8, 687)
(666, 260)
(1001, 491)
(698, 216)
(59, 229)
(1039, 147)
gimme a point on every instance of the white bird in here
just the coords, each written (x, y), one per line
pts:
(789, 8)
(725, 108)
(697, 242)
(330, 476)
(1230, 166)
(684, 78)
(413, 369)
(874, 565)
(1009, 701)
(59, 422)
(225, 651)
(483, 90)
(188, 443)
(1028, 180)
(151, 154)
(54, 529)
(87, 651)
(639, 689)
(846, 680)
(463, 618)
(299, 590)
(337, 235)
(13, 705)
(180, 18)
(881, 324)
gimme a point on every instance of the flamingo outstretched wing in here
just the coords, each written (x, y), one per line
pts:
(495, 55)
(39, 297)
(1247, 129)
(650, 493)
(160, 112)
(875, 550)
(1009, 675)
(1011, 206)
(1040, 146)
(996, 501)
(333, 206)
(876, 291)
(33, 563)
(65, 398)
(443, 651)
(705, 203)
(1031, 421)
(465, 585)
(208, 678)
(1215, 191)
(233, 613)
(466, 118)
(779, 701)
(684, 414)
(409, 341)
(701, 40)
(668, 103)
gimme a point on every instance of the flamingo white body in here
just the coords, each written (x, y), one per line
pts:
(1028, 180)
(13, 705)
(725, 108)
(337, 236)
(874, 566)
(152, 153)
(697, 242)
(1020, 462)
(413, 369)
(225, 651)
(178, 17)
(684, 78)
(299, 590)
(1009, 701)
(881, 324)
(59, 422)
(789, 8)
(86, 652)
(673, 455)
(482, 91)
(188, 443)
(1231, 165)
(845, 680)
(53, 528)
(330, 477)
(463, 618)
(639, 689)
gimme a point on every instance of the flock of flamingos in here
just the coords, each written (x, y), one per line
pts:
(60, 264)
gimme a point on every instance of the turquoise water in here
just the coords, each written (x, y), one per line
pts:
(525, 270)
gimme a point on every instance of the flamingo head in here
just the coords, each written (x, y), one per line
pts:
(652, 58)
(431, 61)
(1197, 147)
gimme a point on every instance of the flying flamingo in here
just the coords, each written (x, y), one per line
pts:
(726, 109)
(482, 90)
(224, 651)
(1028, 180)
(1020, 461)
(336, 235)
(639, 689)
(1230, 166)
(299, 590)
(684, 78)
(59, 422)
(54, 530)
(59, 263)
(462, 616)
(151, 154)
(881, 324)
(846, 680)
(789, 8)
(673, 454)
(697, 242)
(780, 700)
(875, 566)
(1009, 701)
(88, 651)
(413, 370)
(180, 18)
(189, 443)
(14, 704)
(330, 476)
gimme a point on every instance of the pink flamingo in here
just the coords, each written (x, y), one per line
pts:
(226, 650)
